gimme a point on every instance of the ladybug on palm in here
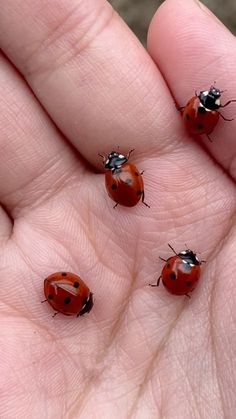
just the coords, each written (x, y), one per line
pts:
(124, 182)
(180, 273)
(68, 294)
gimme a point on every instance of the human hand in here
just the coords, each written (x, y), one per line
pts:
(88, 86)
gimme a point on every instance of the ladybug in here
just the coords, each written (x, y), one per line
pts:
(180, 273)
(201, 113)
(68, 294)
(124, 182)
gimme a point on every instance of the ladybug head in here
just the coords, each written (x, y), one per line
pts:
(189, 257)
(114, 161)
(210, 99)
(88, 305)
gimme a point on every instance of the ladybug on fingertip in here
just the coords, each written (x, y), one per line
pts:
(180, 273)
(68, 294)
(123, 181)
(201, 114)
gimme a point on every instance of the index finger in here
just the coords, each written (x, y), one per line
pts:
(89, 71)
(195, 51)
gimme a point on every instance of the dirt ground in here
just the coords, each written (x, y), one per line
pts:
(137, 13)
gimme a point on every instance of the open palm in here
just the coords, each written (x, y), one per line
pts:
(74, 83)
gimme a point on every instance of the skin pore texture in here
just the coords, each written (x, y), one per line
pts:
(75, 82)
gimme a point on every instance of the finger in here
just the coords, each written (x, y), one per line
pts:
(89, 71)
(196, 51)
(35, 161)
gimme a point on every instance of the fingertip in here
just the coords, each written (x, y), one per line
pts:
(192, 49)
(190, 46)
(176, 17)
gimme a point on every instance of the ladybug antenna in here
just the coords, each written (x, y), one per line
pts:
(173, 249)
(129, 153)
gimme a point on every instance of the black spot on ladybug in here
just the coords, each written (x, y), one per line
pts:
(128, 181)
(114, 186)
(139, 192)
(168, 265)
(189, 283)
(50, 297)
(67, 300)
(136, 173)
(64, 274)
(200, 126)
(187, 116)
(172, 275)
(76, 284)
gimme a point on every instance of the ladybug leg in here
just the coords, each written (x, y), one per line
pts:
(115, 205)
(144, 201)
(227, 103)
(141, 173)
(187, 295)
(179, 108)
(55, 314)
(129, 153)
(225, 119)
(164, 260)
(157, 284)
(209, 138)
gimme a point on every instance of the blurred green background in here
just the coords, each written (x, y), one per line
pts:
(138, 13)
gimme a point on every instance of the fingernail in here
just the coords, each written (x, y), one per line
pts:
(209, 12)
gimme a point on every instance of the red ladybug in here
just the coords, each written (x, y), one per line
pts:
(180, 273)
(201, 113)
(124, 183)
(68, 294)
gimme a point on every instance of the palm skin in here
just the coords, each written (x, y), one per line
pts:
(141, 352)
